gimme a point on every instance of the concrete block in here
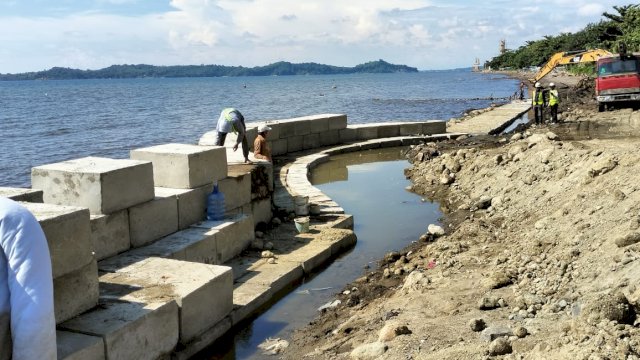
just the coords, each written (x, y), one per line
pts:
(348, 135)
(295, 143)
(311, 256)
(131, 330)
(232, 236)
(236, 189)
(192, 203)
(330, 137)
(319, 125)
(110, 234)
(279, 147)
(287, 129)
(337, 122)
(68, 235)
(100, 184)
(302, 127)
(204, 293)
(261, 210)
(248, 299)
(76, 292)
(434, 127)
(19, 194)
(367, 132)
(407, 129)
(184, 166)
(192, 244)
(311, 141)
(74, 346)
(388, 130)
(188, 351)
(278, 276)
(152, 220)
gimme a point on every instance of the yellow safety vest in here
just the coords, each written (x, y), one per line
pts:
(553, 97)
(538, 97)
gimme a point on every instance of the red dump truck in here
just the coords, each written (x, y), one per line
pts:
(618, 80)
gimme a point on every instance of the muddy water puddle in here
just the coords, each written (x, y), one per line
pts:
(371, 186)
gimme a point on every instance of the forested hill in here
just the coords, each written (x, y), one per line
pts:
(141, 71)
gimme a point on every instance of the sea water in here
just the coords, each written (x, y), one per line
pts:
(43, 122)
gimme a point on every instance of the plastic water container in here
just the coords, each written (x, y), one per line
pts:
(215, 204)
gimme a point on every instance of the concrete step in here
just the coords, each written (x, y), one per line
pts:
(203, 293)
(75, 346)
(20, 194)
(207, 242)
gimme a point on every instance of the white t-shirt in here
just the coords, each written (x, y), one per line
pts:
(27, 317)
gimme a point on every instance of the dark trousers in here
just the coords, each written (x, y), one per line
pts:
(221, 137)
(538, 114)
(554, 113)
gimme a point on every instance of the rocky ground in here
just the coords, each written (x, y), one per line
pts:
(538, 256)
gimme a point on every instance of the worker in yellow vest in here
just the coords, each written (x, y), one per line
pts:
(538, 103)
(554, 100)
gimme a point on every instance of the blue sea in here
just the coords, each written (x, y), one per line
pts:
(43, 122)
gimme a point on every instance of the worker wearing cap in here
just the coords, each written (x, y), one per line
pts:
(538, 103)
(232, 120)
(261, 149)
(554, 100)
(27, 321)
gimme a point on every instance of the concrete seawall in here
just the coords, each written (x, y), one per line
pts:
(139, 273)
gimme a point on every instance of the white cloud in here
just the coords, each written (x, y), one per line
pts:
(591, 10)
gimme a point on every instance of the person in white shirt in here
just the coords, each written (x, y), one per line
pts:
(27, 320)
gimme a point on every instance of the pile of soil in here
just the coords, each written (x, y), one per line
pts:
(538, 256)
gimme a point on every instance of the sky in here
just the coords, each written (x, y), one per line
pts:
(37, 35)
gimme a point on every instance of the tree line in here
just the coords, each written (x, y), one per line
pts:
(619, 26)
(142, 71)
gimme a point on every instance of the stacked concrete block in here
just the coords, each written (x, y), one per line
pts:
(207, 242)
(192, 203)
(110, 234)
(236, 189)
(261, 210)
(410, 128)
(145, 329)
(152, 220)
(184, 166)
(68, 232)
(20, 194)
(232, 236)
(203, 293)
(103, 185)
(74, 346)
(434, 127)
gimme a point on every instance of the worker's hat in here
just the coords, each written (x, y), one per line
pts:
(263, 128)
(538, 85)
(552, 85)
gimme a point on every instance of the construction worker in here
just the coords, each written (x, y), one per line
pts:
(538, 103)
(554, 100)
(232, 120)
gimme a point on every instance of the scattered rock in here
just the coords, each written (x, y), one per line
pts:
(403, 330)
(369, 351)
(619, 195)
(267, 254)
(477, 324)
(516, 137)
(602, 167)
(276, 221)
(629, 239)
(613, 307)
(521, 332)
(330, 305)
(530, 179)
(500, 346)
(273, 346)
(435, 230)
(387, 333)
(415, 281)
(259, 234)
(488, 303)
(493, 332)
(551, 136)
(268, 245)
(484, 202)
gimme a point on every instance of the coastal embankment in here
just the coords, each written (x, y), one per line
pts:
(537, 258)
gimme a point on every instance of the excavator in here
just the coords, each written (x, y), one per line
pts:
(568, 57)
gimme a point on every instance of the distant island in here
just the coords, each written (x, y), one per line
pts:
(151, 71)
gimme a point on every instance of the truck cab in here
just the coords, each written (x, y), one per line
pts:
(618, 80)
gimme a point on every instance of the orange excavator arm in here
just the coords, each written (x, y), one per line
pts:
(568, 57)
